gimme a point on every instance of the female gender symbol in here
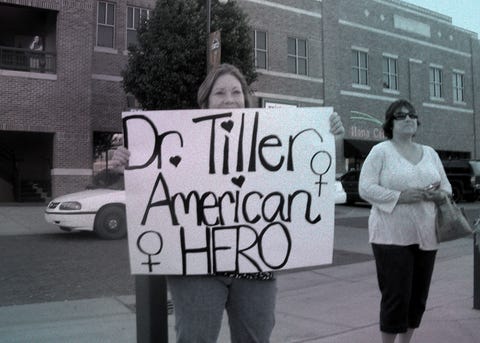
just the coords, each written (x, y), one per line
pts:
(148, 243)
(320, 164)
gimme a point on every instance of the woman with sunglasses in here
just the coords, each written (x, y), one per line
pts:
(403, 181)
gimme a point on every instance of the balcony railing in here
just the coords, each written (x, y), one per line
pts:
(27, 60)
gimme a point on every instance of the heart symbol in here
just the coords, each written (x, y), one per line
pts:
(238, 181)
(175, 160)
(227, 125)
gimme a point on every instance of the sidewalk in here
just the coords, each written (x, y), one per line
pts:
(337, 305)
(333, 304)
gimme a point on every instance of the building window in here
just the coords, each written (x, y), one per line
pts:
(297, 56)
(135, 16)
(105, 24)
(260, 49)
(436, 82)
(458, 87)
(360, 67)
(390, 73)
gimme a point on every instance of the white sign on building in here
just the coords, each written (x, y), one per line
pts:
(229, 190)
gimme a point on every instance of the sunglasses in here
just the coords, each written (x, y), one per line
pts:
(403, 116)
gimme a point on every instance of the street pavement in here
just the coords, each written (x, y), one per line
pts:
(330, 304)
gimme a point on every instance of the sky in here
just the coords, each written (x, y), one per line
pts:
(464, 13)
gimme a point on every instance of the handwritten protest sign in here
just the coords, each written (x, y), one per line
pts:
(232, 190)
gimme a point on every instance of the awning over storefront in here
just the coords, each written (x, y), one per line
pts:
(355, 148)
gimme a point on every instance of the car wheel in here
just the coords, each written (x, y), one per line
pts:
(457, 195)
(110, 223)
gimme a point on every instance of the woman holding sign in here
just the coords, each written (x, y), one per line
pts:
(249, 299)
(402, 180)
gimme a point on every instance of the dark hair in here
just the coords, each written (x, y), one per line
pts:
(391, 110)
(207, 85)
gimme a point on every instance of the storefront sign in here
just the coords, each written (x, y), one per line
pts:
(242, 190)
(365, 126)
(366, 133)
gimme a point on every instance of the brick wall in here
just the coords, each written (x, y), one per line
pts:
(281, 22)
(108, 102)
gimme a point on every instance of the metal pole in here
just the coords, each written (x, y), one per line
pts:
(476, 272)
(151, 308)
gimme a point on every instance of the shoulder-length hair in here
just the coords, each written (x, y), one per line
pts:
(206, 87)
(389, 115)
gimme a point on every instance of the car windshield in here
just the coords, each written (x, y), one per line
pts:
(105, 179)
(476, 167)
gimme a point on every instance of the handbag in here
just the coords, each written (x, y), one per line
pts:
(451, 222)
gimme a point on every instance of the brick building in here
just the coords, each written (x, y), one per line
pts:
(357, 56)
(362, 55)
(55, 101)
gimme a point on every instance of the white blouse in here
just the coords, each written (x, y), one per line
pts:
(384, 175)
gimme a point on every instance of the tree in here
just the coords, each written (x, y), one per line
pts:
(168, 64)
(102, 141)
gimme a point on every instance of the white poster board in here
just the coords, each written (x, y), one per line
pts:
(232, 190)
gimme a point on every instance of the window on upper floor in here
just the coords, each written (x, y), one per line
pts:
(360, 67)
(390, 73)
(458, 87)
(105, 24)
(260, 49)
(297, 56)
(28, 48)
(135, 15)
(435, 82)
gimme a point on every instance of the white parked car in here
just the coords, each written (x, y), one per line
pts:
(101, 210)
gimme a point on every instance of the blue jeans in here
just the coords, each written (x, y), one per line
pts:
(199, 302)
